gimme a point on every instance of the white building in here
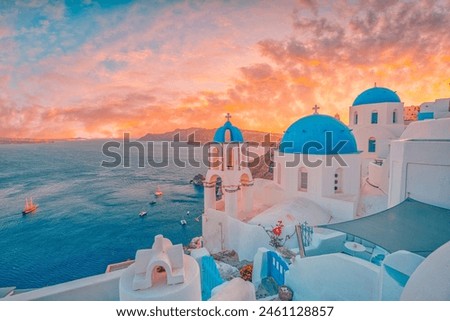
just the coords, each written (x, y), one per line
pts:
(376, 118)
(440, 108)
(420, 164)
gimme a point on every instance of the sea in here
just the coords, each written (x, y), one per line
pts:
(88, 215)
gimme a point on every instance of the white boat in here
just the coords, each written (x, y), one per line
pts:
(183, 222)
(158, 191)
(30, 207)
(143, 213)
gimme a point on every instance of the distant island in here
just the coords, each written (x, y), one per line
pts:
(21, 140)
(203, 135)
(8, 140)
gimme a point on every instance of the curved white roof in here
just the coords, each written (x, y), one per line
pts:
(293, 211)
(428, 129)
(431, 280)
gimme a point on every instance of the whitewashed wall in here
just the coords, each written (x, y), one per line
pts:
(102, 287)
(420, 170)
(333, 277)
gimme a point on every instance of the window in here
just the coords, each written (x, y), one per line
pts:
(338, 180)
(372, 145)
(374, 119)
(355, 118)
(394, 116)
(302, 179)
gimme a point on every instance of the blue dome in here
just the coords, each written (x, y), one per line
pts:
(376, 95)
(235, 133)
(318, 135)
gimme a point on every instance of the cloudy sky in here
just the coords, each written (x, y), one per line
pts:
(98, 68)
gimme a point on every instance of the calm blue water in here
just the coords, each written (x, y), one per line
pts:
(88, 214)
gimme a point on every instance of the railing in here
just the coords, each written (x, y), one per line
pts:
(307, 232)
(210, 276)
(276, 267)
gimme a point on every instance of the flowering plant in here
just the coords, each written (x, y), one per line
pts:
(278, 229)
(276, 240)
(246, 272)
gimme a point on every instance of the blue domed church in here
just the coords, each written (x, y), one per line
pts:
(376, 118)
(318, 159)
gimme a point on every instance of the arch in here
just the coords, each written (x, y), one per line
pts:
(374, 117)
(245, 195)
(232, 152)
(302, 179)
(245, 180)
(372, 145)
(355, 118)
(154, 276)
(230, 158)
(394, 116)
(214, 193)
(338, 177)
(227, 135)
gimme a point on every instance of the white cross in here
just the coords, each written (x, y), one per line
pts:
(315, 108)
(228, 116)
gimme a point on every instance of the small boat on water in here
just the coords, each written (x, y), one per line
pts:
(183, 222)
(152, 202)
(142, 213)
(30, 207)
(158, 191)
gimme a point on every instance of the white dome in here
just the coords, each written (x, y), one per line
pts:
(431, 280)
(293, 211)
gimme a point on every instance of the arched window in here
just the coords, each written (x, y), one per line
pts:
(374, 117)
(338, 180)
(227, 137)
(230, 156)
(302, 179)
(394, 116)
(372, 145)
(355, 118)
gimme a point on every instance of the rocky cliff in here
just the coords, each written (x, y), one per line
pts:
(203, 135)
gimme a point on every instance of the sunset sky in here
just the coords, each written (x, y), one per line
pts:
(100, 68)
